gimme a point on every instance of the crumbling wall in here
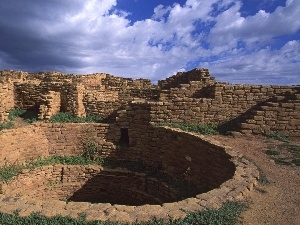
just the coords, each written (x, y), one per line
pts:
(225, 103)
(191, 96)
(198, 74)
(280, 114)
(6, 100)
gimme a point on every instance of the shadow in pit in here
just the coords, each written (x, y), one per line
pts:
(116, 188)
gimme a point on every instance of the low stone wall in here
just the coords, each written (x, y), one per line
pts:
(91, 183)
(280, 116)
(218, 173)
(243, 181)
(44, 139)
(19, 145)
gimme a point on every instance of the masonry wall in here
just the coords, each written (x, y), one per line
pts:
(224, 103)
(198, 74)
(191, 96)
(19, 145)
(69, 138)
(44, 139)
(6, 100)
(279, 115)
(179, 153)
(90, 184)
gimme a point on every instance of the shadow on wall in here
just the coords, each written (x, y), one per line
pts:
(184, 156)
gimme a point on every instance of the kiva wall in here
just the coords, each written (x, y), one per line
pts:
(178, 153)
(90, 183)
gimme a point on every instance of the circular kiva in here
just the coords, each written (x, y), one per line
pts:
(118, 194)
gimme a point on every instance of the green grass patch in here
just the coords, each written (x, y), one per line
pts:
(7, 172)
(65, 117)
(278, 136)
(14, 113)
(282, 161)
(6, 125)
(228, 214)
(207, 128)
(294, 149)
(296, 161)
(29, 116)
(272, 152)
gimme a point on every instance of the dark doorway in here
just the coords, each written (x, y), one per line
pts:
(124, 139)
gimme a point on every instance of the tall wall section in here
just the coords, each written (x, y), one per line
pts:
(7, 79)
(191, 96)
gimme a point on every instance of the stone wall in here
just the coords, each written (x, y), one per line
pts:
(180, 154)
(198, 161)
(19, 145)
(191, 96)
(44, 139)
(156, 147)
(280, 115)
(230, 105)
(90, 183)
(6, 99)
(198, 74)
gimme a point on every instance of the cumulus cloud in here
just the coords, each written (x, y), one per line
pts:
(262, 66)
(260, 28)
(85, 36)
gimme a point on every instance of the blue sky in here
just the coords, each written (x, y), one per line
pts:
(239, 41)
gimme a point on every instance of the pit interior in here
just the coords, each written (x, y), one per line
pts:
(178, 166)
(95, 184)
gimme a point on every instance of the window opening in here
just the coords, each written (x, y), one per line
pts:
(124, 139)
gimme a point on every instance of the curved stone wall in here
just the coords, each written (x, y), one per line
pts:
(91, 183)
(219, 174)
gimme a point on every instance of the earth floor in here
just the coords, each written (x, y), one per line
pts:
(276, 200)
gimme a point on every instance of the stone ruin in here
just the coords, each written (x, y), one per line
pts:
(131, 109)
(192, 96)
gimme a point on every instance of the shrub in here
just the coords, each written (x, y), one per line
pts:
(90, 149)
(14, 113)
(65, 117)
(282, 161)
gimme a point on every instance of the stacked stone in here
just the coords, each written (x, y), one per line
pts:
(27, 95)
(51, 106)
(174, 81)
(16, 147)
(6, 100)
(200, 165)
(279, 114)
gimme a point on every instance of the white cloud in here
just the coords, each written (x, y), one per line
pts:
(260, 28)
(85, 36)
(261, 67)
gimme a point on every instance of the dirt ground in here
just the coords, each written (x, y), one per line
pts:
(275, 200)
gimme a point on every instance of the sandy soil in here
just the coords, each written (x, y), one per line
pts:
(276, 201)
